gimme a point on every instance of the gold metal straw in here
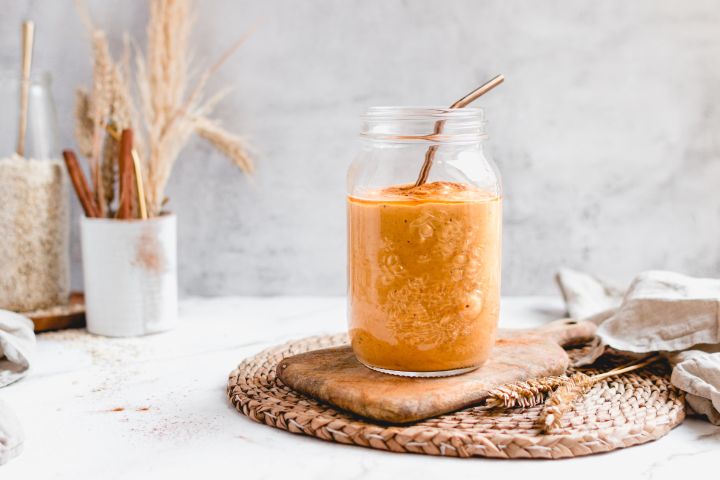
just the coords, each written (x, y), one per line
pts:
(463, 102)
(28, 34)
(139, 184)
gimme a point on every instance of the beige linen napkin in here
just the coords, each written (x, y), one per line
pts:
(660, 311)
(17, 344)
(12, 438)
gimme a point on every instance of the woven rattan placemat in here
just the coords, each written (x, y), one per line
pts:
(620, 412)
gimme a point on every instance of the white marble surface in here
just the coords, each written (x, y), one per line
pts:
(606, 130)
(176, 422)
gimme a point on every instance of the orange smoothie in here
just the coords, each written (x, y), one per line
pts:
(424, 276)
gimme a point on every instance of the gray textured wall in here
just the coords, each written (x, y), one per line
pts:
(607, 130)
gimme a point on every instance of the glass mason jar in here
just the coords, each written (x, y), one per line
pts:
(424, 242)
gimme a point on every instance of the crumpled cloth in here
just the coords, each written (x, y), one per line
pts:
(660, 312)
(17, 345)
(12, 438)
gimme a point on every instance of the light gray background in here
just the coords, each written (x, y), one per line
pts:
(607, 130)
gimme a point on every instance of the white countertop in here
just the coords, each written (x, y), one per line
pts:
(155, 407)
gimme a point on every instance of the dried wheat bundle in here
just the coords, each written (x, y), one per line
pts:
(524, 394)
(557, 392)
(561, 400)
(152, 96)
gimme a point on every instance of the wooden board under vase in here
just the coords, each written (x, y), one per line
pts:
(60, 317)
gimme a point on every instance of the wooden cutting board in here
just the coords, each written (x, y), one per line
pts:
(334, 375)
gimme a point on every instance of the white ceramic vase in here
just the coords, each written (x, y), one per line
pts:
(130, 269)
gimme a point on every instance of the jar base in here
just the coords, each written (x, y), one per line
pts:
(433, 374)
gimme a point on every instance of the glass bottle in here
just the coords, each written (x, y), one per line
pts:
(34, 229)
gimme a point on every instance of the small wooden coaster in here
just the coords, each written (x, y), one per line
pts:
(619, 412)
(71, 315)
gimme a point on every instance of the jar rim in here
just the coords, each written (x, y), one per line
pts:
(435, 125)
(423, 112)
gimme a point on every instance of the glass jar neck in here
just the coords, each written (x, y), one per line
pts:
(432, 125)
(37, 79)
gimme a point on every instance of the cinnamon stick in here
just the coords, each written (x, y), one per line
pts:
(80, 184)
(125, 206)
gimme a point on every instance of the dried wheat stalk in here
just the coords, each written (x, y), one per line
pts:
(83, 123)
(100, 104)
(561, 401)
(232, 146)
(524, 394)
(124, 110)
(162, 81)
